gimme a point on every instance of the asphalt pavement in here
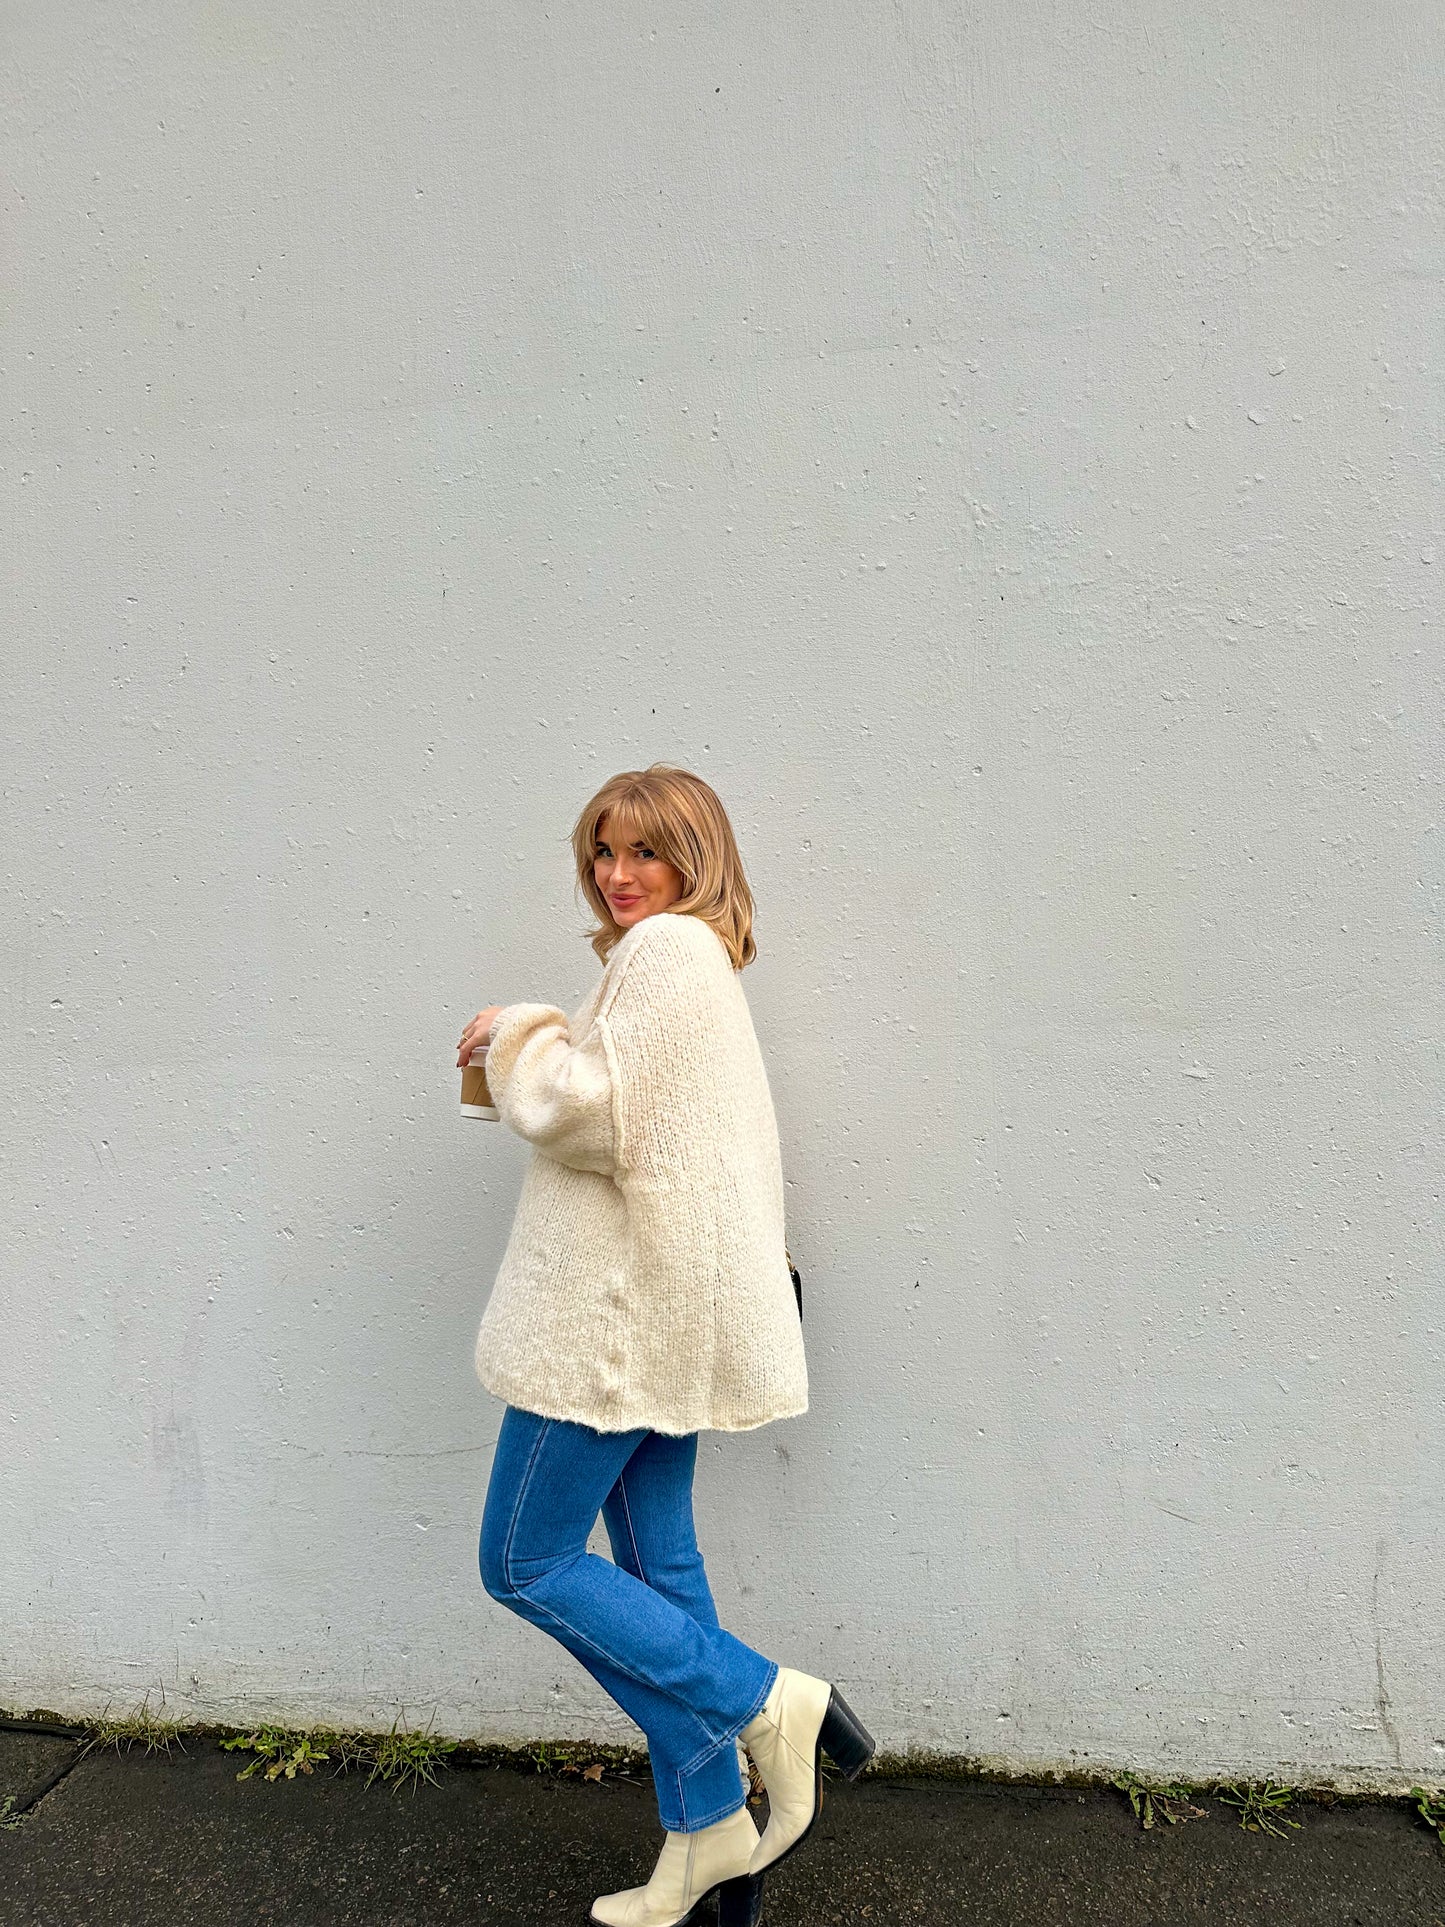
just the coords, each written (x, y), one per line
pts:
(131, 1839)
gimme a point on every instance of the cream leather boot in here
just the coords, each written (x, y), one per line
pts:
(690, 1867)
(800, 1720)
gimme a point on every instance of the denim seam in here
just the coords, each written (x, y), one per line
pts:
(522, 1485)
(631, 1530)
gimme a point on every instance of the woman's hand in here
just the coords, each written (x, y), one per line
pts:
(476, 1033)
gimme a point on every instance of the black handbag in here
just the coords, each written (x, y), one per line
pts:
(797, 1281)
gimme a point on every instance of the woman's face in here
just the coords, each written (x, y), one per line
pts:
(635, 882)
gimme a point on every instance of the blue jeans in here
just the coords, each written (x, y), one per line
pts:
(643, 1623)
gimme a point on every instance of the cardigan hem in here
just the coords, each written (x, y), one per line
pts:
(669, 1425)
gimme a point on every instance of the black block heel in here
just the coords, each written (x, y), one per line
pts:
(844, 1737)
(740, 1901)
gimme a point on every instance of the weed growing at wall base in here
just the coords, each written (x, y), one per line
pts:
(280, 1752)
(1260, 1806)
(399, 1757)
(587, 1762)
(1431, 1809)
(1153, 1802)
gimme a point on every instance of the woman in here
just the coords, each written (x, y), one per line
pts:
(645, 1295)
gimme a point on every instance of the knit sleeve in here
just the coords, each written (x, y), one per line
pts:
(556, 1094)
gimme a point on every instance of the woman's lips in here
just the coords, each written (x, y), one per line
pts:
(622, 902)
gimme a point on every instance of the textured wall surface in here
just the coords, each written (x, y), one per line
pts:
(1000, 448)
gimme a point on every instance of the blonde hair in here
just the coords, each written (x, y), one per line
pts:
(681, 819)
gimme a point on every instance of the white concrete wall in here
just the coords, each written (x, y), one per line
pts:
(999, 446)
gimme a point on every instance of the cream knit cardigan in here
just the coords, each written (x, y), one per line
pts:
(644, 1281)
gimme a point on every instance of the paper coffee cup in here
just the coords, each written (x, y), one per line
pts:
(476, 1098)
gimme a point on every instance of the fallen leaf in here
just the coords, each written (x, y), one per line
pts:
(594, 1772)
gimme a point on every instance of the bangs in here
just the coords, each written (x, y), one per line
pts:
(629, 826)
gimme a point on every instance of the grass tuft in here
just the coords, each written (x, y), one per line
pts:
(402, 1757)
(140, 1728)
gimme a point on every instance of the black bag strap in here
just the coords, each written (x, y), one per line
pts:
(797, 1281)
